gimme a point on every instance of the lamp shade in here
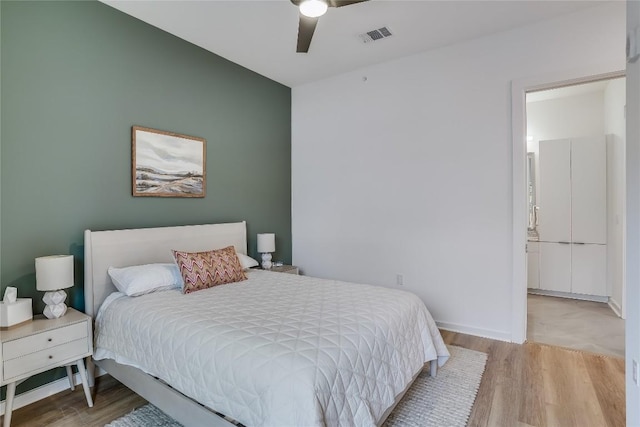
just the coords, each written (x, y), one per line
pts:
(54, 272)
(266, 242)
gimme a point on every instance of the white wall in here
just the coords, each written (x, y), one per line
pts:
(632, 266)
(410, 171)
(614, 127)
(571, 116)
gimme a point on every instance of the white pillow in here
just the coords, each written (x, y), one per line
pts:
(143, 279)
(246, 261)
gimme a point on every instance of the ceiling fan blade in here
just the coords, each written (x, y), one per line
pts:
(340, 3)
(306, 27)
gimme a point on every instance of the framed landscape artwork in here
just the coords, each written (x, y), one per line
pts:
(166, 164)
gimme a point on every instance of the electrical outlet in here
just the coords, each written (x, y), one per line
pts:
(399, 279)
(635, 371)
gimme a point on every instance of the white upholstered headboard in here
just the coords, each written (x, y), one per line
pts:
(123, 248)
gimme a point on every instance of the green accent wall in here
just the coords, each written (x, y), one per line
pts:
(75, 77)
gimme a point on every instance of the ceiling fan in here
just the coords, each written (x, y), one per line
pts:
(310, 12)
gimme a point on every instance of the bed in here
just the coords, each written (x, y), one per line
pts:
(274, 350)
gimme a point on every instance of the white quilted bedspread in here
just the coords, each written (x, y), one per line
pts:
(277, 349)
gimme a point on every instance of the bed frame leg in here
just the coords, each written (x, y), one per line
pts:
(433, 368)
(91, 372)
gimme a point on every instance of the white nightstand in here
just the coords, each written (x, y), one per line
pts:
(44, 344)
(291, 269)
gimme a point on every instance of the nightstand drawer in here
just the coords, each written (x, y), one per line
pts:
(41, 341)
(44, 359)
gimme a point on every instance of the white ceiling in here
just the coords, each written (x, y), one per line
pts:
(261, 35)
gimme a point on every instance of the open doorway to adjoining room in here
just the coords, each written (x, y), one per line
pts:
(575, 157)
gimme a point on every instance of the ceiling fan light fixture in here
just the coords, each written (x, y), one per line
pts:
(313, 8)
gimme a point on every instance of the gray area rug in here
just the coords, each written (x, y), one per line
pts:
(444, 401)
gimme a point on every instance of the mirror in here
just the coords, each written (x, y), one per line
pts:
(531, 191)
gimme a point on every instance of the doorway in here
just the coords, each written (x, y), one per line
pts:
(521, 191)
(575, 194)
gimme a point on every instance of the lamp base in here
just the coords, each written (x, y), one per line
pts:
(55, 304)
(266, 261)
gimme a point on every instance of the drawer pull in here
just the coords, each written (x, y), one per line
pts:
(50, 357)
(50, 339)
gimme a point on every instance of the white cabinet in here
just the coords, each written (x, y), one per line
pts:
(589, 190)
(43, 344)
(555, 266)
(533, 271)
(554, 213)
(589, 269)
(573, 215)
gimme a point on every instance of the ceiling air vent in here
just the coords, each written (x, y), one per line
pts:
(374, 35)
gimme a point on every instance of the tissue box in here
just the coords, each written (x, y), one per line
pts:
(16, 312)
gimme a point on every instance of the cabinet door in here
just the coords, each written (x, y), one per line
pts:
(589, 269)
(533, 265)
(554, 215)
(555, 267)
(589, 190)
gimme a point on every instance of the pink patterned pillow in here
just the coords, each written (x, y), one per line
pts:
(202, 270)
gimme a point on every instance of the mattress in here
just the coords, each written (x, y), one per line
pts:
(277, 349)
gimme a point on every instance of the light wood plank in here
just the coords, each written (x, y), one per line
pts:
(549, 386)
(608, 373)
(532, 402)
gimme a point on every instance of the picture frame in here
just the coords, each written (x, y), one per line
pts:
(167, 164)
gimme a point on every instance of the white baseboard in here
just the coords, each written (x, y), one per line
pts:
(470, 330)
(582, 297)
(46, 390)
(615, 307)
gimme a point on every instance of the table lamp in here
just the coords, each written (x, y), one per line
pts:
(266, 245)
(53, 274)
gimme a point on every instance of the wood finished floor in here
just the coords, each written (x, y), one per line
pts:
(523, 385)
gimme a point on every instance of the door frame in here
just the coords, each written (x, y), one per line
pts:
(519, 88)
